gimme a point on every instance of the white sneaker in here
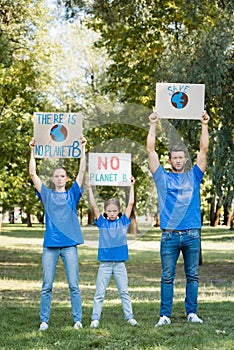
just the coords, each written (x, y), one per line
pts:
(94, 324)
(164, 320)
(43, 326)
(194, 318)
(132, 322)
(78, 325)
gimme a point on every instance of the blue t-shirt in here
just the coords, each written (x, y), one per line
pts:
(179, 198)
(113, 238)
(62, 224)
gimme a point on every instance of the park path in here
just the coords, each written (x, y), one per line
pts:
(155, 245)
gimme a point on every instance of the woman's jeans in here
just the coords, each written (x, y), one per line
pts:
(105, 271)
(172, 242)
(50, 258)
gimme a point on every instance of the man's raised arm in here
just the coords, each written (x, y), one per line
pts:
(204, 143)
(150, 145)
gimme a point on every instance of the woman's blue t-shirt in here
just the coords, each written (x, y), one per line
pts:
(62, 224)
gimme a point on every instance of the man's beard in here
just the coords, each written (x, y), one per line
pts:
(178, 170)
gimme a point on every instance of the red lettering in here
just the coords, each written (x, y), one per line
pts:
(114, 162)
(102, 163)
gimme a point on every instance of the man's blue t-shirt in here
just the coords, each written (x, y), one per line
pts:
(62, 224)
(113, 238)
(179, 198)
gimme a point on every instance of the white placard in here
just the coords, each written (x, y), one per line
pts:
(110, 169)
(179, 100)
(57, 135)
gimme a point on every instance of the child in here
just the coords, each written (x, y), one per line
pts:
(112, 253)
(62, 234)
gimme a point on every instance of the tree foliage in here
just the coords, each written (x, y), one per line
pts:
(23, 77)
(48, 65)
(176, 41)
(137, 43)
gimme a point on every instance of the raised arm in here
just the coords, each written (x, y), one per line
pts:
(80, 175)
(92, 200)
(150, 145)
(32, 167)
(204, 143)
(131, 198)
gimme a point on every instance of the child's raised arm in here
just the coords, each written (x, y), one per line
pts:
(92, 200)
(131, 198)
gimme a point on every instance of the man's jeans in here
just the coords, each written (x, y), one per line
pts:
(50, 258)
(172, 242)
(105, 271)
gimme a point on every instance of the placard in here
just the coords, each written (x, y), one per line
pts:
(179, 100)
(57, 135)
(110, 169)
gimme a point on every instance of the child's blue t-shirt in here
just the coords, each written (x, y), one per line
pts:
(179, 198)
(113, 238)
(62, 224)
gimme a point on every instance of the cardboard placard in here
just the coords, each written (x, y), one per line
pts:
(57, 135)
(110, 169)
(179, 100)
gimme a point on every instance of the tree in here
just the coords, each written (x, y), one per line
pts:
(35, 75)
(185, 41)
(23, 76)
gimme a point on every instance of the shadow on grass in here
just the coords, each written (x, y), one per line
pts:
(23, 231)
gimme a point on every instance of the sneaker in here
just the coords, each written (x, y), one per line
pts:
(194, 318)
(94, 324)
(132, 322)
(164, 320)
(43, 326)
(78, 325)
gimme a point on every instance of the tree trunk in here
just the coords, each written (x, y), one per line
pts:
(41, 219)
(90, 217)
(225, 215)
(157, 219)
(231, 220)
(218, 211)
(29, 222)
(132, 228)
(215, 211)
(11, 218)
(217, 216)
(81, 215)
(200, 254)
(212, 212)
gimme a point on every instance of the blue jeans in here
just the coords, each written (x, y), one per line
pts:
(187, 241)
(105, 271)
(50, 258)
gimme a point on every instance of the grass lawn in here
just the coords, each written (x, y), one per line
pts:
(20, 287)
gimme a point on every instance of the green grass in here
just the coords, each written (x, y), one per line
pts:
(20, 286)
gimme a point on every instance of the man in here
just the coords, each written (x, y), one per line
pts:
(180, 218)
